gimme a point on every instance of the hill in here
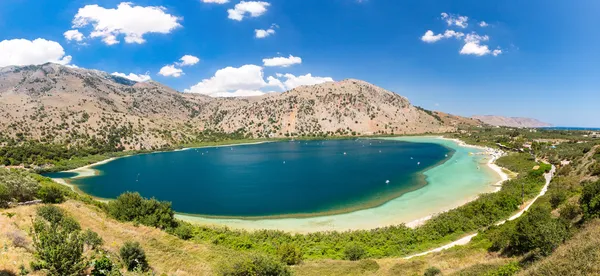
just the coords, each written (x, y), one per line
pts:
(60, 104)
(510, 121)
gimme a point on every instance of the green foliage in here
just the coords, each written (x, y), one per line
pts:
(16, 185)
(517, 162)
(506, 270)
(58, 243)
(590, 200)
(92, 239)
(570, 211)
(184, 231)
(289, 254)
(150, 212)
(253, 265)
(52, 193)
(133, 256)
(432, 271)
(538, 230)
(557, 197)
(354, 252)
(105, 267)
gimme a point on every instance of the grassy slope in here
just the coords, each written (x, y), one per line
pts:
(166, 253)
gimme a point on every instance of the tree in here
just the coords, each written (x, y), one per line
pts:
(590, 200)
(105, 267)
(432, 271)
(151, 212)
(134, 256)
(58, 243)
(51, 193)
(92, 239)
(19, 185)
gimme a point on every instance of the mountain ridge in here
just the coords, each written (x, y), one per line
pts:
(56, 103)
(511, 121)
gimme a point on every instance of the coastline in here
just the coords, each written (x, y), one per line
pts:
(370, 218)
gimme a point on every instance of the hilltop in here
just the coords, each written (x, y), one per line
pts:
(510, 121)
(61, 104)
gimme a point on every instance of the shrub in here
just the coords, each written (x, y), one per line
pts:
(432, 271)
(354, 252)
(92, 239)
(557, 197)
(570, 211)
(4, 196)
(254, 264)
(134, 256)
(150, 212)
(51, 193)
(20, 186)
(58, 244)
(184, 231)
(18, 239)
(538, 230)
(105, 267)
(590, 200)
(290, 254)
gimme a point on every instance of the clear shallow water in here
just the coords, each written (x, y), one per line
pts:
(284, 178)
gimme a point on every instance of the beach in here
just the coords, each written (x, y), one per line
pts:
(459, 180)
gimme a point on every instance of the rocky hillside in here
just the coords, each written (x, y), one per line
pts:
(54, 103)
(510, 121)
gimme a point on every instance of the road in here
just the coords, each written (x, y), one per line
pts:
(548, 176)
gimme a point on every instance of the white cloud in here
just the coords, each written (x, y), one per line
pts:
(292, 81)
(133, 77)
(188, 60)
(497, 52)
(170, 71)
(216, 1)
(27, 52)
(264, 33)
(133, 22)
(474, 48)
(253, 8)
(74, 35)
(248, 80)
(282, 61)
(473, 37)
(456, 20)
(483, 24)
(430, 37)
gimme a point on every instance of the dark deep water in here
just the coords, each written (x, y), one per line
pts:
(283, 178)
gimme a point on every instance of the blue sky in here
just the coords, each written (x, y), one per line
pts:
(546, 62)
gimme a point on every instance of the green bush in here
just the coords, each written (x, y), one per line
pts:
(184, 231)
(290, 254)
(17, 185)
(354, 252)
(52, 193)
(92, 239)
(253, 265)
(432, 271)
(58, 243)
(133, 256)
(570, 211)
(590, 200)
(4, 197)
(150, 212)
(538, 230)
(105, 267)
(557, 197)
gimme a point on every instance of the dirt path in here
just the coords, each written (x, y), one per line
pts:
(468, 238)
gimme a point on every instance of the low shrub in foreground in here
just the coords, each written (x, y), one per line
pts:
(134, 257)
(253, 264)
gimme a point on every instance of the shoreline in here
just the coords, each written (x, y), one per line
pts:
(329, 222)
(491, 164)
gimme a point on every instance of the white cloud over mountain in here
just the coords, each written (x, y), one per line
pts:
(248, 80)
(31, 52)
(170, 71)
(247, 8)
(132, 22)
(133, 77)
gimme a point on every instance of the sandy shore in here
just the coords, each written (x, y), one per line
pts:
(495, 154)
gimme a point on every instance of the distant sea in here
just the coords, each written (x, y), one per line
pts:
(573, 128)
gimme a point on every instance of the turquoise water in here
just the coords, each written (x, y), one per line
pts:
(270, 179)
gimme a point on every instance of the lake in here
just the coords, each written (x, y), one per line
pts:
(299, 178)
